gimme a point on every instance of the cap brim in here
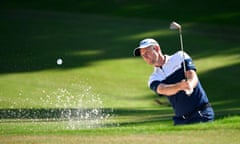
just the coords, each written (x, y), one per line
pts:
(136, 52)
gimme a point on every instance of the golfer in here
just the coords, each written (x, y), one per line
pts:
(183, 89)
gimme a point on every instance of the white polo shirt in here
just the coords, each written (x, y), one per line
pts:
(172, 72)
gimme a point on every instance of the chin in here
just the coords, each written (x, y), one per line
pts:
(151, 63)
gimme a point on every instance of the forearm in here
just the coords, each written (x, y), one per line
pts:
(185, 85)
(168, 89)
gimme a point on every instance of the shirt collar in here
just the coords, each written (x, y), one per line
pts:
(166, 61)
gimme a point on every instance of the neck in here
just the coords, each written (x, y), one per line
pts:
(161, 61)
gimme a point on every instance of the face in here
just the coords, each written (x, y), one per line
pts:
(149, 55)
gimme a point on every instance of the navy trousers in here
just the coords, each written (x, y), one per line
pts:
(205, 115)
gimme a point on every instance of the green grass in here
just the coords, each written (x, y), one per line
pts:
(221, 12)
(221, 131)
(96, 49)
(122, 125)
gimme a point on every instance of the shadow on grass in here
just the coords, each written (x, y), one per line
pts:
(123, 117)
(44, 113)
(216, 11)
(225, 102)
(222, 87)
(34, 40)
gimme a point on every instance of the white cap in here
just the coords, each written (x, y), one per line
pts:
(143, 44)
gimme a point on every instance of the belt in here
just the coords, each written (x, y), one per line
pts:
(197, 109)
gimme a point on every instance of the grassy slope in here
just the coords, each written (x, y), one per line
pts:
(221, 12)
(102, 58)
(97, 53)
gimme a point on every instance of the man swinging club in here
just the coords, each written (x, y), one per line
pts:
(175, 77)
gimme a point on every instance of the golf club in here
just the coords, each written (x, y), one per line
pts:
(176, 26)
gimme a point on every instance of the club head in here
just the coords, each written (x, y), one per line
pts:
(175, 26)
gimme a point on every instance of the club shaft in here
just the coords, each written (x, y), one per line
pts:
(183, 56)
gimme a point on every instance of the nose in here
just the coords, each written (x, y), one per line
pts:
(146, 58)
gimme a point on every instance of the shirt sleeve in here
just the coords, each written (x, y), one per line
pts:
(189, 64)
(153, 85)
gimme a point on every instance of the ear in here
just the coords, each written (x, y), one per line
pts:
(156, 48)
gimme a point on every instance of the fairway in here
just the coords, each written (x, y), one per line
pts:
(68, 74)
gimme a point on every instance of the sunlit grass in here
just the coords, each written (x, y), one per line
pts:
(98, 61)
(217, 61)
(155, 33)
(87, 53)
(114, 126)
